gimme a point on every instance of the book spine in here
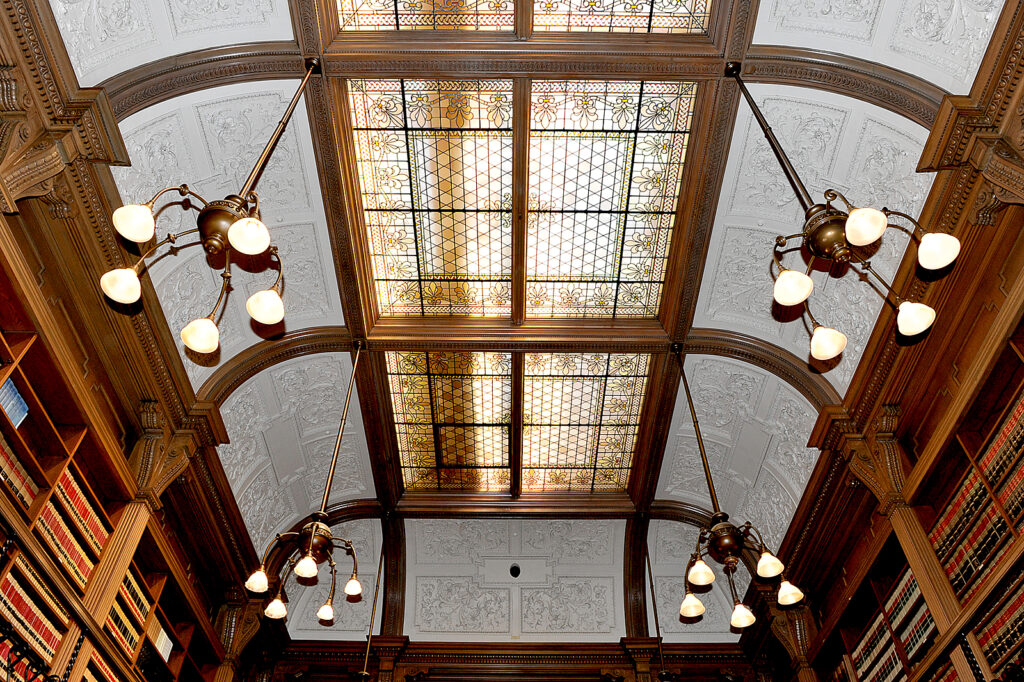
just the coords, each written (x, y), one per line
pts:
(134, 597)
(123, 633)
(27, 619)
(34, 581)
(17, 478)
(1005, 432)
(105, 673)
(81, 511)
(64, 545)
(13, 405)
(1003, 629)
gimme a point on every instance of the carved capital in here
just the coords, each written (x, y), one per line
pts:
(1002, 170)
(879, 468)
(794, 628)
(160, 455)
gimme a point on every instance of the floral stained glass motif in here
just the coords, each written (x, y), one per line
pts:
(392, 15)
(622, 16)
(435, 167)
(452, 419)
(606, 163)
(580, 415)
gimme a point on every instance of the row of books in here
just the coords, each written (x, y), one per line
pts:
(98, 670)
(904, 595)
(12, 403)
(55, 532)
(1006, 446)
(918, 631)
(15, 477)
(134, 597)
(870, 646)
(886, 668)
(122, 630)
(18, 670)
(1003, 628)
(81, 512)
(19, 608)
(161, 641)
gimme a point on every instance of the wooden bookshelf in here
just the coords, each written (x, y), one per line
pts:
(1000, 628)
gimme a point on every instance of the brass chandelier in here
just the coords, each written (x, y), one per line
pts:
(224, 225)
(724, 542)
(314, 543)
(833, 233)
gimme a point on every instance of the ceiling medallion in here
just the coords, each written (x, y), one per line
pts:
(224, 225)
(725, 543)
(832, 234)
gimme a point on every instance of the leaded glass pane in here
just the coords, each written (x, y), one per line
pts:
(580, 415)
(622, 16)
(606, 163)
(452, 418)
(390, 15)
(435, 169)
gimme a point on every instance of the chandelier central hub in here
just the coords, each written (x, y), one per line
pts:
(725, 541)
(317, 537)
(825, 234)
(216, 218)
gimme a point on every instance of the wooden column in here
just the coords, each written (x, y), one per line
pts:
(794, 628)
(237, 622)
(117, 555)
(387, 649)
(641, 650)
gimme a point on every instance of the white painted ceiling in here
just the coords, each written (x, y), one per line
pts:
(282, 422)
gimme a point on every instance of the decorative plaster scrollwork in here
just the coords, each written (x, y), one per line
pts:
(570, 605)
(265, 508)
(459, 604)
(770, 506)
(569, 541)
(952, 34)
(460, 540)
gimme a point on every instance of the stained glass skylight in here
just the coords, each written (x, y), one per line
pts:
(580, 416)
(606, 161)
(476, 15)
(627, 16)
(452, 415)
(435, 165)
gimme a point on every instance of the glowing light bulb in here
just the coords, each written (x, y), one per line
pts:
(266, 307)
(826, 343)
(792, 287)
(306, 568)
(691, 606)
(914, 318)
(741, 617)
(937, 250)
(326, 612)
(789, 593)
(121, 285)
(700, 574)
(352, 587)
(276, 609)
(769, 566)
(257, 582)
(135, 222)
(249, 236)
(865, 225)
(201, 335)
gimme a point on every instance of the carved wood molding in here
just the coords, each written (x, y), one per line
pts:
(779, 361)
(634, 575)
(900, 92)
(160, 455)
(143, 86)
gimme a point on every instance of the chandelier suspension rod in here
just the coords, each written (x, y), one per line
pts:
(700, 440)
(654, 603)
(733, 69)
(373, 612)
(341, 431)
(265, 156)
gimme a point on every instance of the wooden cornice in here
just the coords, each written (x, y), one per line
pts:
(143, 86)
(545, 505)
(900, 92)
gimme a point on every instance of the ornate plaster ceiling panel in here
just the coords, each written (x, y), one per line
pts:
(863, 151)
(459, 586)
(755, 429)
(210, 139)
(106, 37)
(670, 544)
(351, 615)
(283, 423)
(942, 42)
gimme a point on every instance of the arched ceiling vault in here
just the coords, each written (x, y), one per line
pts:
(196, 91)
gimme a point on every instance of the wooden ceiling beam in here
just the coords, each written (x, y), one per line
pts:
(542, 505)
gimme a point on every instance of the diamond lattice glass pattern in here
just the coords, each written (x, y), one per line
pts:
(435, 168)
(622, 16)
(606, 162)
(390, 15)
(452, 415)
(580, 415)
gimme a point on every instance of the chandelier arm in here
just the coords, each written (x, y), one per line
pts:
(654, 604)
(373, 612)
(833, 194)
(261, 162)
(280, 269)
(169, 239)
(334, 573)
(866, 266)
(351, 548)
(270, 545)
(183, 190)
(226, 277)
(341, 427)
(700, 440)
(732, 585)
(901, 214)
(807, 309)
(760, 538)
(733, 69)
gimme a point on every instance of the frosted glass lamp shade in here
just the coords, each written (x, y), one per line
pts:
(249, 236)
(769, 566)
(826, 343)
(691, 606)
(352, 587)
(257, 582)
(789, 593)
(201, 335)
(121, 285)
(792, 287)
(326, 612)
(276, 609)
(306, 568)
(865, 225)
(741, 617)
(700, 574)
(914, 318)
(135, 222)
(266, 307)
(937, 250)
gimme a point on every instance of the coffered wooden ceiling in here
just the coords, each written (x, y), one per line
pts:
(524, 210)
